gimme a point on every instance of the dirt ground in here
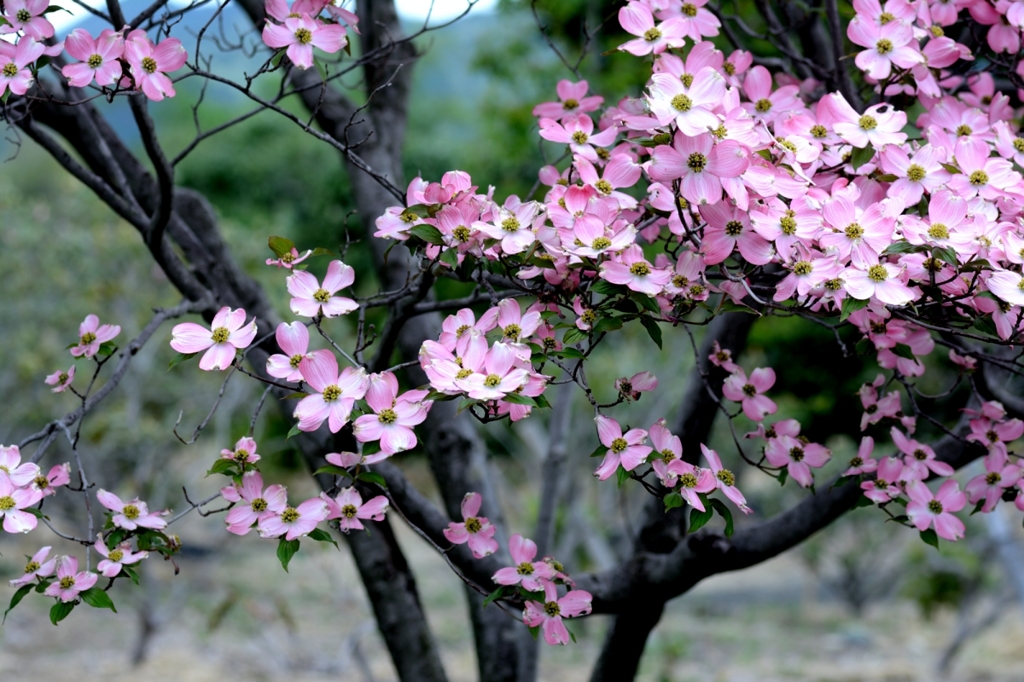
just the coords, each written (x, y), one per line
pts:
(235, 614)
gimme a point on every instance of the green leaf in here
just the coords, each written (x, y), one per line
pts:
(863, 501)
(673, 500)
(726, 514)
(646, 301)
(428, 233)
(903, 350)
(180, 358)
(280, 245)
(321, 67)
(519, 399)
(18, 596)
(98, 599)
(497, 594)
(863, 347)
(542, 402)
(599, 450)
(321, 535)
(605, 287)
(373, 477)
(861, 155)
(294, 431)
(60, 611)
(977, 507)
(698, 519)
(946, 255)
(286, 549)
(297, 395)
(222, 466)
(653, 329)
(850, 306)
(897, 248)
(783, 475)
(569, 354)
(131, 573)
(986, 325)
(930, 537)
(574, 335)
(107, 348)
(534, 631)
(727, 306)
(465, 403)
(621, 475)
(450, 257)
(57, 8)
(607, 324)
(952, 168)
(438, 396)
(333, 470)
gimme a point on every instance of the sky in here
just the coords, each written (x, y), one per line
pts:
(410, 9)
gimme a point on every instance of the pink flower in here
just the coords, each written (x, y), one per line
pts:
(244, 452)
(919, 458)
(549, 614)
(61, 381)
(635, 272)
(228, 335)
(99, 57)
(476, 530)
(572, 100)
(627, 450)
(70, 581)
(58, 475)
(578, 133)
(692, 482)
(797, 456)
(631, 388)
(925, 510)
(335, 395)
(300, 34)
(14, 64)
(725, 480)
(253, 503)
(888, 44)
(497, 375)
(349, 507)
(700, 163)
(990, 486)
(878, 126)
(885, 486)
(37, 567)
(862, 462)
(394, 418)
(881, 281)
(91, 335)
(668, 448)
(722, 357)
(26, 16)
(132, 514)
(290, 259)
(309, 299)
(636, 18)
(12, 501)
(729, 230)
(749, 392)
(150, 63)
(293, 522)
(688, 106)
(12, 469)
(525, 571)
(979, 174)
(293, 339)
(114, 559)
